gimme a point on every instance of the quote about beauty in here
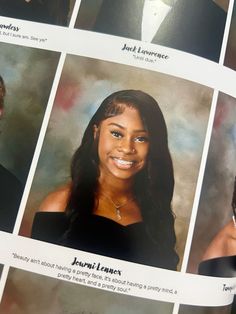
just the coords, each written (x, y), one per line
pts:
(94, 274)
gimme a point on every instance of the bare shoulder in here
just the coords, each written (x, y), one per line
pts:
(223, 244)
(56, 201)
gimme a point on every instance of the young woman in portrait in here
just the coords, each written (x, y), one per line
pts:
(118, 202)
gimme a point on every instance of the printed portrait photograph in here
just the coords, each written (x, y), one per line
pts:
(56, 12)
(119, 164)
(195, 27)
(26, 78)
(230, 56)
(213, 250)
(218, 194)
(60, 297)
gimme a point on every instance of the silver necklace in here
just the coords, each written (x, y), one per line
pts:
(117, 206)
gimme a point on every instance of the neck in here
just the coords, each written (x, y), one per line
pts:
(116, 189)
(118, 204)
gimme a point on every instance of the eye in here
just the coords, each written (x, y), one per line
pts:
(116, 134)
(141, 139)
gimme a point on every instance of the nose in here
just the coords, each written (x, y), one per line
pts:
(127, 146)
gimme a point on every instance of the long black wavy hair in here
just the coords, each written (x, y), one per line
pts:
(2, 93)
(153, 185)
(233, 203)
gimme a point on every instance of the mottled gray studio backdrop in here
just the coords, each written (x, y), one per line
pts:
(215, 203)
(43, 295)
(84, 84)
(28, 74)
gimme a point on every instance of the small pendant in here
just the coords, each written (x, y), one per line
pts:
(118, 215)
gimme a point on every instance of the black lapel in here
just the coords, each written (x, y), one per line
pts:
(195, 26)
(174, 24)
(121, 18)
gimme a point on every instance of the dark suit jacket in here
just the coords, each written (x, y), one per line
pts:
(194, 26)
(45, 11)
(10, 196)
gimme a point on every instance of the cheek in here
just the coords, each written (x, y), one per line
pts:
(100, 150)
(104, 147)
(144, 152)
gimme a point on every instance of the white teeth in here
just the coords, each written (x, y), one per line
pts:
(123, 162)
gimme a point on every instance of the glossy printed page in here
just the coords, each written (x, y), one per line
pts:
(120, 129)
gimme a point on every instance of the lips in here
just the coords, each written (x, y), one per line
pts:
(122, 163)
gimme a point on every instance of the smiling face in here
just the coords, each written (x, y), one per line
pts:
(123, 145)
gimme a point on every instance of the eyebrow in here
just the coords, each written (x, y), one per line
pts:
(123, 128)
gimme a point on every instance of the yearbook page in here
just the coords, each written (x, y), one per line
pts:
(117, 156)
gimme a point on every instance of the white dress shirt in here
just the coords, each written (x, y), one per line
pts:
(154, 12)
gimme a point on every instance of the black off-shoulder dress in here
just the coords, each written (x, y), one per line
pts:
(100, 235)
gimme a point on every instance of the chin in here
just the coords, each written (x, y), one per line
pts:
(125, 174)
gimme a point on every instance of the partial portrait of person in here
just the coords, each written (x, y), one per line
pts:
(43, 11)
(223, 244)
(195, 26)
(219, 260)
(118, 201)
(10, 187)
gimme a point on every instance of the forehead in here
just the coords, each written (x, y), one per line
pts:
(129, 119)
